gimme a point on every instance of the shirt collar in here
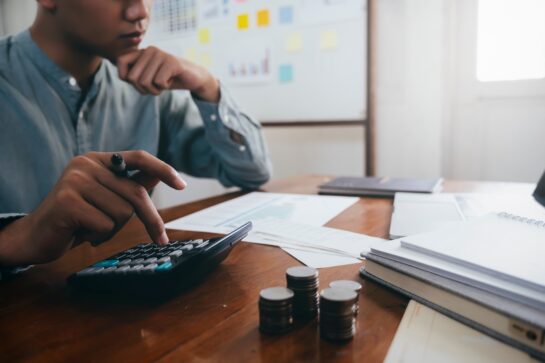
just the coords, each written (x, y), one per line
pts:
(62, 81)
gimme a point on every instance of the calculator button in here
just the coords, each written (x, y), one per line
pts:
(186, 247)
(124, 262)
(122, 269)
(136, 268)
(203, 244)
(197, 242)
(150, 260)
(137, 261)
(149, 268)
(108, 270)
(106, 263)
(164, 266)
(163, 260)
(89, 271)
(176, 253)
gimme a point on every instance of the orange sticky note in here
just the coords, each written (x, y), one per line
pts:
(243, 21)
(263, 18)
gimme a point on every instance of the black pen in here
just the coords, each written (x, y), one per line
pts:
(119, 167)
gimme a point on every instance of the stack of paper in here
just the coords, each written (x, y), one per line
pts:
(487, 272)
(290, 221)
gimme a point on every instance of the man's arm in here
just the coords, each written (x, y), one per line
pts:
(216, 139)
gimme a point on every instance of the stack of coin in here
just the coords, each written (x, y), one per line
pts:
(303, 281)
(275, 310)
(350, 285)
(337, 313)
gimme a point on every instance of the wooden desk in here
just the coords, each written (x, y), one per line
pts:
(41, 321)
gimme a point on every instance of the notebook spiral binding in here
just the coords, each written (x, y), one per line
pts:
(535, 222)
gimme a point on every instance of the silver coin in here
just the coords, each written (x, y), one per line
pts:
(302, 272)
(338, 294)
(277, 293)
(347, 284)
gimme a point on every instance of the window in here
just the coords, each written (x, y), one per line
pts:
(510, 40)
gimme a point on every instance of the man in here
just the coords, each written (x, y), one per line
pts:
(74, 90)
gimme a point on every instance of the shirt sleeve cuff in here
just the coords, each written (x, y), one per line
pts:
(5, 272)
(225, 112)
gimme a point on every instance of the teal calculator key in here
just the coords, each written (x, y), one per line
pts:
(164, 266)
(106, 263)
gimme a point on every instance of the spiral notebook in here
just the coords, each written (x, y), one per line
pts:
(500, 253)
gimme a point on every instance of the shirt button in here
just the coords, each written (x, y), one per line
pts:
(242, 148)
(72, 81)
(213, 117)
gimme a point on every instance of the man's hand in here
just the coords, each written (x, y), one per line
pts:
(152, 71)
(88, 203)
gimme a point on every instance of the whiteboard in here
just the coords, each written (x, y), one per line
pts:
(282, 60)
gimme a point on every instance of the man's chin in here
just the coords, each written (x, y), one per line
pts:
(114, 54)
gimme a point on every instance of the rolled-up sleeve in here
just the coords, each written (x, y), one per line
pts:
(215, 140)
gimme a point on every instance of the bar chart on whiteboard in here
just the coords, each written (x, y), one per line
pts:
(275, 53)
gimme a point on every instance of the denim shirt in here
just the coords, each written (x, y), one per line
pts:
(46, 120)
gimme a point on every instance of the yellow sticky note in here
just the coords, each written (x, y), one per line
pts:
(204, 35)
(243, 21)
(206, 60)
(191, 55)
(328, 40)
(294, 42)
(263, 18)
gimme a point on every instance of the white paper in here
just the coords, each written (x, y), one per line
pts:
(426, 336)
(316, 246)
(289, 221)
(313, 210)
(394, 250)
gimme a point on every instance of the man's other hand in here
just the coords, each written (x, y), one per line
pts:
(152, 71)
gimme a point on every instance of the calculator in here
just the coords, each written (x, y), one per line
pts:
(152, 270)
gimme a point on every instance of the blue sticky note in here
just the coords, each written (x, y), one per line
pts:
(285, 15)
(285, 73)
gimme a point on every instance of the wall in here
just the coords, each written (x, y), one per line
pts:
(17, 15)
(410, 94)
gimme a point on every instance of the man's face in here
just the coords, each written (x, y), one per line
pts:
(107, 28)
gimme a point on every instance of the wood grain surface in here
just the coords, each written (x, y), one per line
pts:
(42, 320)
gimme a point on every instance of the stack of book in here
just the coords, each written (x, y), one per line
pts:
(488, 273)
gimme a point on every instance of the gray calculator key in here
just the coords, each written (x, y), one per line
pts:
(138, 261)
(197, 242)
(205, 243)
(187, 247)
(123, 269)
(149, 268)
(137, 267)
(176, 253)
(90, 271)
(108, 270)
(124, 262)
(163, 260)
(150, 260)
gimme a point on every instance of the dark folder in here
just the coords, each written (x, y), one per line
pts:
(379, 186)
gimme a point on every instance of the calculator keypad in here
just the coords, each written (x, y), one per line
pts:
(146, 258)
